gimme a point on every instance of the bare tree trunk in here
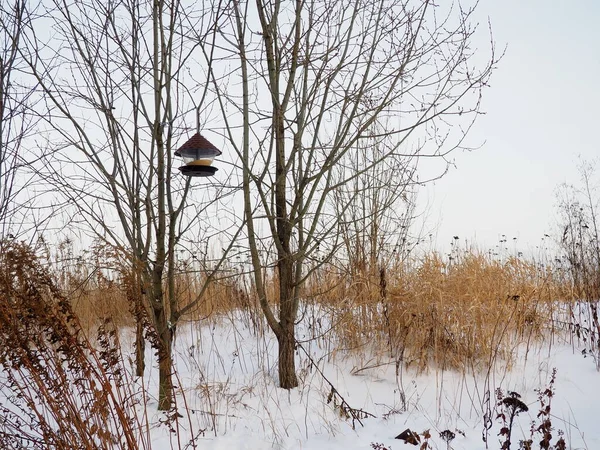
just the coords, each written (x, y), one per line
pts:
(135, 297)
(140, 348)
(287, 318)
(165, 365)
(162, 337)
(287, 361)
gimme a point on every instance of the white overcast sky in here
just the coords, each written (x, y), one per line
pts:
(542, 111)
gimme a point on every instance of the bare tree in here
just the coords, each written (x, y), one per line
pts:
(580, 243)
(116, 77)
(16, 97)
(376, 208)
(580, 239)
(305, 82)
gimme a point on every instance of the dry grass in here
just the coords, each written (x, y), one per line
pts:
(220, 296)
(100, 284)
(59, 390)
(454, 315)
(463, 314)
(93, 302)
(457, 313)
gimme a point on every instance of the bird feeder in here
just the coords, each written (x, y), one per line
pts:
(198, 155)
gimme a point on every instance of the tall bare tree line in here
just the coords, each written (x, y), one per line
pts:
(326, 106)
(333, 71)
(113, 79)
(16, 123)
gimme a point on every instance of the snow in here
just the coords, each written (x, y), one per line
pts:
(228, 394)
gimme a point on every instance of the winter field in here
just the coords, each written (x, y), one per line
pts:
(219, 226)
(228, 376)
(228, 396)
(469, 355)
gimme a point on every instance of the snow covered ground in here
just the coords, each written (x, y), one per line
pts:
(229, 397)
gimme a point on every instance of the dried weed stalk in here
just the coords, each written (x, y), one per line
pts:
(59, 391)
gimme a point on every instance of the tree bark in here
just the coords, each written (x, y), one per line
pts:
(287, 318)
(287, 359)
(163, 337)
(165, 373)
(140, 347)
(165, 360)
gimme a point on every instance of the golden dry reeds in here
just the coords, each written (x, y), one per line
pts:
(452, 314)
(94, 302)
(222, 294)
(105, 286)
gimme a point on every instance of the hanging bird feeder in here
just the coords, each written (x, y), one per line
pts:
(198, 155)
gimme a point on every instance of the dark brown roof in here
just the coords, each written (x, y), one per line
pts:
(195, 142)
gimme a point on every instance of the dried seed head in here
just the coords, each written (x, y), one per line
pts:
(447, 436)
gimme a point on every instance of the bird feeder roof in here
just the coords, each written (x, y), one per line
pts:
(196, 142)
